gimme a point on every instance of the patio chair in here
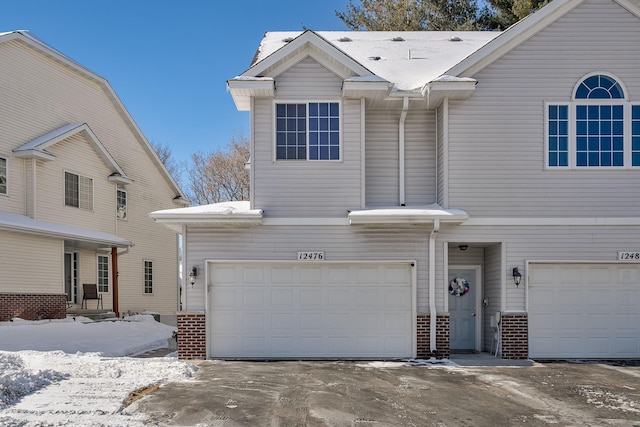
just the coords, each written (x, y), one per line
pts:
(90, 291)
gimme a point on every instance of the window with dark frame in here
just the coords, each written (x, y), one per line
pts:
(78, 191)
(148, 277)
(3, 175)
(308, 131)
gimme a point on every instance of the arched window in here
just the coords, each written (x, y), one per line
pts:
(599, 86)
(591, 131)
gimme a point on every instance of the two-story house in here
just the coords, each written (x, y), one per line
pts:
(415, 194)
(77, 182)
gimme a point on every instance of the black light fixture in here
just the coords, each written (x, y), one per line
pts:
(517, 276)
(192, 275)
(463, 247)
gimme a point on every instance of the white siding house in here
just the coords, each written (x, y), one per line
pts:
(77, 182)
(417, 194)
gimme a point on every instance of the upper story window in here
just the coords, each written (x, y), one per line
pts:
(3, 175)
(308, 131)
(78, 191)
(121, 204)
(598, 128)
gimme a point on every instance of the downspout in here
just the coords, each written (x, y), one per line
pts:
(432, 287)
(403, 117)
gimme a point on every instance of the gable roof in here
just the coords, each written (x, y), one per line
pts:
(27, 38)
(418, 63)
(37, 148)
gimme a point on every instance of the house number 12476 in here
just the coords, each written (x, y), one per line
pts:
(310, 256)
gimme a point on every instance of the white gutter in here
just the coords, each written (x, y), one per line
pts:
(403, 117)
(432, 286)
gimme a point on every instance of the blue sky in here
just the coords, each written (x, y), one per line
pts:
(169, 61)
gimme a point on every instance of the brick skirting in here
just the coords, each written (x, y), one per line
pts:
(442, 336)
(192, 336)
(32, 306)
(515, 335)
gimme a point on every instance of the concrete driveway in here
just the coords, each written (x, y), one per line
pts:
(395, 394)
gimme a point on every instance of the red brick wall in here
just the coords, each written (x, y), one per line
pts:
(33, 306)
(515, 335)
(442, 336)
(192, 337)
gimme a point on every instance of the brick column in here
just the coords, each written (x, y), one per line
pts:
(515, 335)
(192, 337)
(423, 331)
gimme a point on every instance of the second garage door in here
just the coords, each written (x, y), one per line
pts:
(584, 311)
(310, 310)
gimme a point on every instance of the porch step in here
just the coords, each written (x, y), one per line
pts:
(91, 314)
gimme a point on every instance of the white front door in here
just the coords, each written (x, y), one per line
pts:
(311, 310)
(463, 308)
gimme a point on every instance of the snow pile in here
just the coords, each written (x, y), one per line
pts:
(63, 373)
(16, 380)
(130, 336)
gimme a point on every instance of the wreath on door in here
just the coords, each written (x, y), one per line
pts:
(458, 287)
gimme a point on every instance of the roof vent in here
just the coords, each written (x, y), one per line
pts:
(397, 39)
(455, 39)
(344, 39)
(288, 39)
(375, 58)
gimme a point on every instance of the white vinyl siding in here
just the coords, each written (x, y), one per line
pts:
(19, 252)
(282, 243)
(30, 84)
(496, 138)
(306, 183)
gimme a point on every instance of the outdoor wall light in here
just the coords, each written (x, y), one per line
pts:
(517, 276)
(192, 275)
(463, 247)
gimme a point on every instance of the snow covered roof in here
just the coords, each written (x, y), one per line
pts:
(407, 215)
(235, 213)
(82, 236)
(408, 59)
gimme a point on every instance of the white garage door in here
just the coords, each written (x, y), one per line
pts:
(310, 310)
(584, 311)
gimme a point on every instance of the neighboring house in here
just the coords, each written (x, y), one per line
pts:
(414, 194)
(77, 182)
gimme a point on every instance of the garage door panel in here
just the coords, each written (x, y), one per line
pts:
(593, 317)
(327, 310)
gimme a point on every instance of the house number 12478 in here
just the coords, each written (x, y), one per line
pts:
(310, 256)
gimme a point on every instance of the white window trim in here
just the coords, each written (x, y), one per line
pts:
(64, 192)
(307, 102)
(6, 167)
(627, 106)
(109, 284)
(144, 277)
(126, 205)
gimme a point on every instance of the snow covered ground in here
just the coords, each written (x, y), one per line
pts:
(78, 372)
